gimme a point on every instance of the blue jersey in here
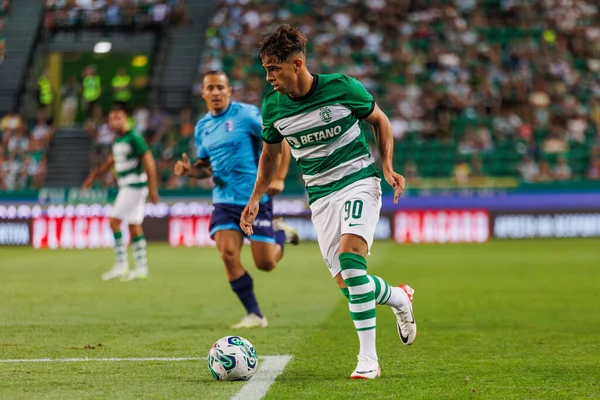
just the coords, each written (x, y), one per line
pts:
(232, 142)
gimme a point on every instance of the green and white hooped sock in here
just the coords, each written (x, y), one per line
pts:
(361, 300)
(139, 252)
(120, 248)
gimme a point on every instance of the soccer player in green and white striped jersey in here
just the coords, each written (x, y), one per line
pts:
(136, 171)
(320, 116)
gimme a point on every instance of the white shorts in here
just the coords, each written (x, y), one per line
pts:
(129, 205)
(352, 210)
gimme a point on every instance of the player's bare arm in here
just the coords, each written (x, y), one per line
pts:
(201, 169)
(385, 142)
(266, 171)
(98, 172)
(278, 184)
(150, 168)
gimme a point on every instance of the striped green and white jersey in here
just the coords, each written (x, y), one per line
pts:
(324, 131)
(127, 153)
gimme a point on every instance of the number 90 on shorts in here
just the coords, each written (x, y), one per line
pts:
(352, 210)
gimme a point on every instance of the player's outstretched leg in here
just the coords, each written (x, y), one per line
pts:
(268, 243)
(229, 244)
(121, 267)
(400, 300)
(362, 310)
(138, 243)
(289, 234)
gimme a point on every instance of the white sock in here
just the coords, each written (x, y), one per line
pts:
(368, 345)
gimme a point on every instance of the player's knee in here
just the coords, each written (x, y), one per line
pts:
(230, 258)
(266, 264)
(135, 230)
(115, 224)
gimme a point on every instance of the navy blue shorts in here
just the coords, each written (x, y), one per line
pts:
(227, 217)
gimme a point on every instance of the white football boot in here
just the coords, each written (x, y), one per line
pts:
(405, 319)
(367, 368)
(251, 321)
(118, 271)
(136, 274)
(291, 236)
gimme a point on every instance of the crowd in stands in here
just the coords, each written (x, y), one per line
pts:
(23, 152)
(128, 14)
(472, 87)
(3, 9)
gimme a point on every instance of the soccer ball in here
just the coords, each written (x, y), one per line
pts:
(232, 358)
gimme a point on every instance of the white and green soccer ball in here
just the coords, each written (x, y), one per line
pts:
(232, 358)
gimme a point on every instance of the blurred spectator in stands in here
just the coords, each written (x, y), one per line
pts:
(141, 118)
(46, 92)
(92, 89)
(71, 91)
(507, 124)
(18, 144)
(179, 15)
(4, 6)
(545, 174)
(11, 172)
(2, 41)
(468, 143)
(410, 171)
(477, 170)
(158, 120)
(10, 124)
(528, 169)
(399, 125)
(555, 142)
(43, 130)
(2, 179)
(577, 126)
(113, 13)
(186, 123)
(102, 139)
(595, 113)
(121, 88)
(93, 123)
(36, 165)
(539, 100)
(484, 140)
(593, 172)
(462, 171)
(159, 14)
(562, 171)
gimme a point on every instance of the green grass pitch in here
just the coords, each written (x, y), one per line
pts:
(506, 319)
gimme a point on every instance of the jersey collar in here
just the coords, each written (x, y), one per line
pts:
(313, 87)
(221, 113)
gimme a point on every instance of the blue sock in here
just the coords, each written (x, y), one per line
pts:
(244, 288)
(280, 239)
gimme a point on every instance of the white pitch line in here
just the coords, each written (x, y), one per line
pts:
(86, 359)
(91, 359)
(255, 389)
(259, 385)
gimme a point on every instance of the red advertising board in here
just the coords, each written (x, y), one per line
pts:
(190, 231)
(72, 232)
(442, 226)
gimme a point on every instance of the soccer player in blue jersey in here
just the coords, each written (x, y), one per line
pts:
(229, 143)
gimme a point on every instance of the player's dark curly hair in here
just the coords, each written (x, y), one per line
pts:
(281, 44)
